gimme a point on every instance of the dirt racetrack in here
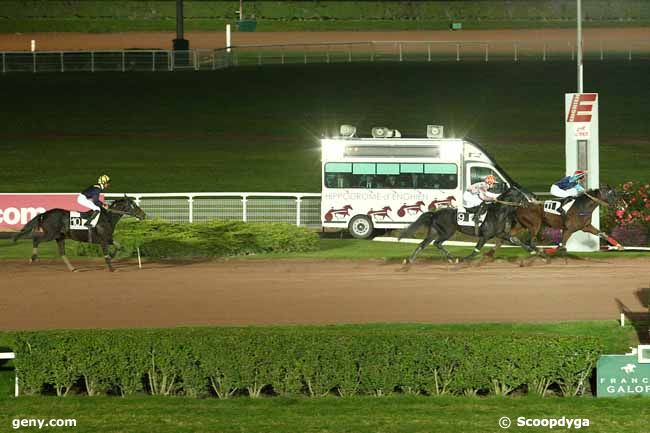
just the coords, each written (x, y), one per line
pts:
(243, 292)
(58, 41)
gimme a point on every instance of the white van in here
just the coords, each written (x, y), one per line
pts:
(387, 181)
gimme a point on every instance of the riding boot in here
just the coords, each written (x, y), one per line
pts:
(562, 215)
(477, 218)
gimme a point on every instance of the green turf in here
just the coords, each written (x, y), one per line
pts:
(257, 129)
(336, 249)
(108, 25)
(361, 414)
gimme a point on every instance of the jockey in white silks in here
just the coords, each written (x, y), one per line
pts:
(89, 197)
(477, 196)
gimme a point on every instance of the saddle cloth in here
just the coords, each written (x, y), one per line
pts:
(78, 220)
(467, 219)
(552, 206)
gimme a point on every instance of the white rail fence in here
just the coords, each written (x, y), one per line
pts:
(302, 209)
(334, 52)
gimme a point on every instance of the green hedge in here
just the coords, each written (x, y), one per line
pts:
(300, 361)
(526, 10)
(216, 238)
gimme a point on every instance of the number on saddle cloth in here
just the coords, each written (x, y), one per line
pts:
(78, 220)
(467, 218)
(553, 206)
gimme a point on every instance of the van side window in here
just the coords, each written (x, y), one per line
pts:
(391, 175)
(477, 174)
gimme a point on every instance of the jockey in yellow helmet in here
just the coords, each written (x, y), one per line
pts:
(89, 197)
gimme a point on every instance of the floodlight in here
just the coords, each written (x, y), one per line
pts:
(348, 131)
(434, 131)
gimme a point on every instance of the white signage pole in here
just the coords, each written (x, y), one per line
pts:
(581, 146)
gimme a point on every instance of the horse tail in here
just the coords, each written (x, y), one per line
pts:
(33, 224)
(425, 218)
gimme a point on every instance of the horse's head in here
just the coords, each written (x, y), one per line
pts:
(516, 194)
(128, 206)
(611, 196)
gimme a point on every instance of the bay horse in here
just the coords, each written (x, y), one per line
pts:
(55, 225)
(500, 221)
(578, 217)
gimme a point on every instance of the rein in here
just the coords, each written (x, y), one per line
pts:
(597, 200)
(118, 212)
(509, 203)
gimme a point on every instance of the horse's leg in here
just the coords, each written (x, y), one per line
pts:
(477, 249)
(443, 235)
(493, 251)
(610, 240)
(60, 242)
(421, 246)
(116, 249)
(107, 256)
(35, 241)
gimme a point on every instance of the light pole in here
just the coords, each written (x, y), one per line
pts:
(579, 46)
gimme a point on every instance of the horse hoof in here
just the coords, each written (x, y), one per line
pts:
(406, 262)
(74, 270)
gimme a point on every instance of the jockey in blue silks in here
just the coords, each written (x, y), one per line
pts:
(569, 187)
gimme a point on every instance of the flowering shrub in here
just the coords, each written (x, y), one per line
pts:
(551, 236)
(631, 225)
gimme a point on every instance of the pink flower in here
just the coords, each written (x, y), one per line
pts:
(619, 213)
(647, 218)
(633, 200)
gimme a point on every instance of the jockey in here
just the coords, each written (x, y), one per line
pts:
(569, 187)
(89, 197)
(477, 195)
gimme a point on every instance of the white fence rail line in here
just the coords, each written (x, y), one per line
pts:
(329, 52)
(302, 209)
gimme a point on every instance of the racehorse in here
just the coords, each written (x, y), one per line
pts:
(500, 220)
(55, 225)
(578, 217)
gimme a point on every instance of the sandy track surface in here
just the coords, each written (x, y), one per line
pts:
(244, 292)
(615, 37)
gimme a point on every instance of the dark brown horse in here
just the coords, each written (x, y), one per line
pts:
(55, 225)
(578, 217)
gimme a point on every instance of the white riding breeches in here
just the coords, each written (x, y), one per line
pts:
(559, 192)
(471, 200)
(87, 203)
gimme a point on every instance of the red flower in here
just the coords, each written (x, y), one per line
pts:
(647, 218)
(619, 213)
(633, 200)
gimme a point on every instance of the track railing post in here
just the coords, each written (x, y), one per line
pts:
(298, 202)
(244, 201)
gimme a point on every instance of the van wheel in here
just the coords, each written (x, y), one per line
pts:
(360, 227)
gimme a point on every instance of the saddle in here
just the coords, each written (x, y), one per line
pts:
(552, 206)
(78, 220)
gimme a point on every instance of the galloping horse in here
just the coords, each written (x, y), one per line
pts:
(55, 225)
(577, 218)
(499, 222)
